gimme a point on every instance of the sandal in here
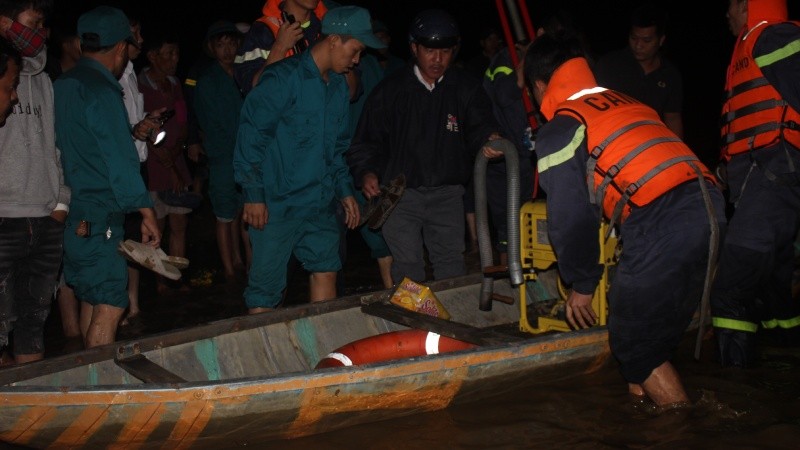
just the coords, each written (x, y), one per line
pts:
(178, 261)
(152, 258)
(378, 209)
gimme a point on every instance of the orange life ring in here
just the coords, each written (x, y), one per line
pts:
(389, 346)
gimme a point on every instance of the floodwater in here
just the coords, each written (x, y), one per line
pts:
(743, 409)
(753, 409)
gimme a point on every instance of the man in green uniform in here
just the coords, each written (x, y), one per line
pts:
(217, 103)
(289, 160)
(102, 167)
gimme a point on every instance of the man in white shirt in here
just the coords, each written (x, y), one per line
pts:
(134, 104)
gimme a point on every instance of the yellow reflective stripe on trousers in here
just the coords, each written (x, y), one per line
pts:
(563, 155)
(778, 323)
(779, 54)
(731, 324)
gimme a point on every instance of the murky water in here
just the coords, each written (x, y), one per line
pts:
(753, 409)
(743, 409)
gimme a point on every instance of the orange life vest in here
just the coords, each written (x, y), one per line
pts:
(754, 115)
(633, 157)
(272, 17)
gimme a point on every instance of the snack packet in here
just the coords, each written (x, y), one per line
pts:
(419, 298)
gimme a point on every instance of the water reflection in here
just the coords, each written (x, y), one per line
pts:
(753, 409)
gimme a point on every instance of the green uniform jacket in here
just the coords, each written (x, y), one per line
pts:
(217, 103)
(98, 155)
(293, 133)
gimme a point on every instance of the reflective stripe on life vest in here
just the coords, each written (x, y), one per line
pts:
(633, 158)
(754, 115)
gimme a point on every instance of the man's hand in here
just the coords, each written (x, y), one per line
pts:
(352, 214)
(489, 152)
(370, 186)
(256, 215)
(151, 234)
(59, 215)
(148, 125)
(579, 310)
(288, 35)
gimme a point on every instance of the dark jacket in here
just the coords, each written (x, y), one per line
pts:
(500, 83)
(291, 140)
(430, 136)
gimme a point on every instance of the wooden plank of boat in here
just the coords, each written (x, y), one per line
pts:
(250, 379)
(148, 371)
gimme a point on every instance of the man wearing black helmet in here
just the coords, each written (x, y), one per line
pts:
(426, 121)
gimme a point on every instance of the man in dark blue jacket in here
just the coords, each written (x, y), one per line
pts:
(426, 121)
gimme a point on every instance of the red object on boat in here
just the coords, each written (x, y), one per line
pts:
(389, 346)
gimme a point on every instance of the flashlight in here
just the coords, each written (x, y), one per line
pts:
(162, 119)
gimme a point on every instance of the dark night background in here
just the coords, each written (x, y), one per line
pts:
(698, 40)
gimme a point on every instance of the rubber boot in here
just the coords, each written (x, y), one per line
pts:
(736, 348)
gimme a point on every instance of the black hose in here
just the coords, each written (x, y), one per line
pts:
(512, 218)
(713, 246)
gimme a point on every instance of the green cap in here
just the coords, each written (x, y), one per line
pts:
(221, 27)
(352, 21)
(109, 25)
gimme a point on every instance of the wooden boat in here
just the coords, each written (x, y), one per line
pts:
(248, 380)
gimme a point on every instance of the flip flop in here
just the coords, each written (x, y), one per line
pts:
(149, 258)
(378, 209)
(178, 261)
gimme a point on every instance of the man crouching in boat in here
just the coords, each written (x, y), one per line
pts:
(642, 178)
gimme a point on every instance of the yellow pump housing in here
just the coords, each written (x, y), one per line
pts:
(537, 256)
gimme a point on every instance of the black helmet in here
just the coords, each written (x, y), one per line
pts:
(434, 28)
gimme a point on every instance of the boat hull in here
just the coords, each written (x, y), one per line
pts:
(97, 405)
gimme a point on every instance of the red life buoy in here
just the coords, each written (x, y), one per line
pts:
(393, 345)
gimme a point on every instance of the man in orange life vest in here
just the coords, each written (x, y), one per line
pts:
(644, 179)
(760, 143)
(272, 37)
